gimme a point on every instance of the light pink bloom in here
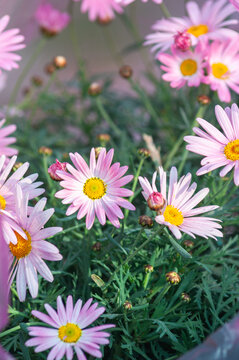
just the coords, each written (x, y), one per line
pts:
(51, 20)
(100, 9)
(235, 3)
(28, 253)
(10, 41)
(223, 69)
(95, 190)
(69, 331)
(55, 167)
(183, 67)
(219, 149)
(5, 141)
(179, 211)
(127, 2)
(203, 23)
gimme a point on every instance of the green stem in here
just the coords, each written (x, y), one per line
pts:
(26, 69)
(165, 10)
(111, 45)
(106, 116)
(45, 167)
(9, 331)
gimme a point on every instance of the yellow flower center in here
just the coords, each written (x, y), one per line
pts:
(198, 30)
(69, 333)
(23, 247)
(173, 215)
(220, 71)
(231, 150)
(94, 188)
(188, 67)
(2, 203)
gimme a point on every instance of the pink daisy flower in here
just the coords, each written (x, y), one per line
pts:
(235, 3)
(219, 148)
(95, 190)
(5, 141)
(28, 253)
(127, 2)
(205, 23)
(10, 41)
(179, 211)
(51, 20)
(100, 9)
(183, 67)
(69, 330)
(223, 70)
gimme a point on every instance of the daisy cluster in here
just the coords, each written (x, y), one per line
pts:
(203, 48)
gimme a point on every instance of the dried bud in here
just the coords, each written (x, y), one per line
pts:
(127, 305)
(94, 89)
(96, 246)
(182, 40)
(37, 80)
(60, 62)
(126, 71)
(156, 201)
(103, 138)
(185, 297)
(45, 150)
(47, 32)
(144, 152)
(26, 91)
(54, 168)
(148, 268)
(97, 151)
(50, 68)
(104, 21)
(188, 243)
(203, 99)
(173, 277)
(17, 165)
(145, 221)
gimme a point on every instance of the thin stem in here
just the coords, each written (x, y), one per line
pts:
(45, 167)
(111, 45)
(106, 116)
(165, 10)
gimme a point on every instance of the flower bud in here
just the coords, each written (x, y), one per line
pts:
(104, 21)
(50, 68)
(94, 89)
(156, 201)
(48, 32)
(185, 297)
(97, 151)
(188, 243)
(26, 91)
(60, 62)
(17, 165)
(45, 150)
(145, 221)
(173, 278)
(37, 80)
(182, 40)
(203, 99)
(96, 246)
(127, 305)
(126, 71)
(144, 152)
(103, 138)
(54, 168)
(148, 268)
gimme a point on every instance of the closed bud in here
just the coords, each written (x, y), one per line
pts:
(144, 152)
(126, 71)
(37, 80)
(103, 138)
(96, 246)
(182, 40)
(203, 99)
(94, 89)
(45, 150)
(148, 268)
(188, 244)
(97, 151)
(47, 32)
(104, 21)
(50, 68)
(173, 278)
(60, 62)
(54, 168)
(185, 297)
(26, 91)
(145, 221)
(127, 305)
(156, 201)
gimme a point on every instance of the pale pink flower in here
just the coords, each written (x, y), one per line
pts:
(127, 2)
(203, 23)
(235, 3)
(28, 254)
(69, 331)
(100, 9)
(223, 69)
(183, 67)
(95, 190)
(55, 167)
(51, 20)
(218, 148)
(179, 211)
(10, 41)
(5, 141)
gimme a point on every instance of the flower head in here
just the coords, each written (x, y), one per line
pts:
(51, 20)
(10, 41)
(218, 148)
(235, 3)
(69, 331)
(100, 9)
(28, 254)
(5, 141)
(55, 167)
(182, 41)
(95, 189)
(205, 23)
(127, 2)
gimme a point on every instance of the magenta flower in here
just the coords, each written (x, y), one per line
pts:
(155, 199)
(235, 3)
(95, 190)
(100, 9)
(69, 331)
(5, 141)
(10, 41)
(51, 20)
(218, 148)
(55, 167)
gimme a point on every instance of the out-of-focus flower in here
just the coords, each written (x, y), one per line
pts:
(69, 331)
(205, 23)
(220, 149)
(5, 141)
(28, 254)
(44, 150)
(95, 190)
(127, 2)
(10, 41)
(51, 20)
(223, 70)
(183, 67)
(60, 62)
(182, 41)
(235, 3)
(145, 221)
(155, 199)
(94, 89)
(3, 81)
(54, 167)
(100, 9)
(179, 214)
(203, 99)
(126, 71)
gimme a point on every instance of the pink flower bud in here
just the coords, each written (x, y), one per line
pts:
(55, 167)
(182, 40)
(156, 201)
